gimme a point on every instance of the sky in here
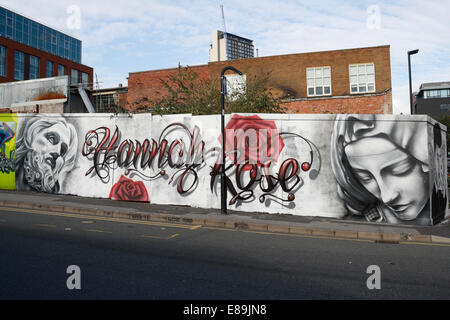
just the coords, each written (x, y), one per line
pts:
(135, 35)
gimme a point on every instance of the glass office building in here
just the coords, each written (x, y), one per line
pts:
(18, 28)
(238, 47)
(227, 46)
(2, 61)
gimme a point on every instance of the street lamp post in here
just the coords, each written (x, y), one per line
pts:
(410, 53)
(223, 184)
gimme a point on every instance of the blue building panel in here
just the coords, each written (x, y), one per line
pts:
(31, 33)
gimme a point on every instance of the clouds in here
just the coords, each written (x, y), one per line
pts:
(120, 37)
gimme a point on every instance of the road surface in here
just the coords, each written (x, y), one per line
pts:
(139, 260)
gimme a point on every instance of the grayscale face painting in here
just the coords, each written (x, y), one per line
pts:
(439, 193)
(45, 152)
(381, 174)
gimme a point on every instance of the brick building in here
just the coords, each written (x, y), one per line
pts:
(30, 50)
(148, 84)
(339, 81)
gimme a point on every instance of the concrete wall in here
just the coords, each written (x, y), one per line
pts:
(25, 91)
(380, 168)
(41, 106)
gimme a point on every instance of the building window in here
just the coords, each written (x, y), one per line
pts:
(236, 85)
(34, 67)
(362, 78)
(85, 79)
(445, 107)
(74, 77)
(19, 65)
(49, 69)
(61, 70)
(28, 32)
(443, 93)
(2, 61)
(318, 81)
(433, 94)
(105, 102)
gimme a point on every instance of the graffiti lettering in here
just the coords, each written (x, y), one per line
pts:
(248, 163)
(287, 173)
(106, 153)
(261, 165)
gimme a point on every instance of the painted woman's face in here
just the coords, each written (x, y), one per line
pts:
(52, 144)
(390, 174)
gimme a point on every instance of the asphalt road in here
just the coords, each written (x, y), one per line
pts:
(136, 260)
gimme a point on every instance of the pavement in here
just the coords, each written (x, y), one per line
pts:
(238, 220)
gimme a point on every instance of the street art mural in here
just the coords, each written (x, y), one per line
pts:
(129, 190)
(45, 153)
(253, 144)
(382, 168)
(6, 158)
(378, 168)
(107, 152)
(7, 150)
(438, 169)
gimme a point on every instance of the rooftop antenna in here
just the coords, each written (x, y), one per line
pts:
(224, 30)
(97, 86)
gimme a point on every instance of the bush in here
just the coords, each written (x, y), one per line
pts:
(187, 93)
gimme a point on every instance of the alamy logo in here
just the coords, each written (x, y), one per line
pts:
(374, 281)
(74, 280)
(74, 19)
(373, 17)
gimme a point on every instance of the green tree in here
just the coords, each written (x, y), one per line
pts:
(186, 92)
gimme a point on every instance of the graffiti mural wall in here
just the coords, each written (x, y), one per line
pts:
(8, 124)
(379, 168)
(383, 168)
(46, 150)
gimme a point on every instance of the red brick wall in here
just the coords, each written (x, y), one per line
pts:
(286, 78)
(122, 99)
(43, 56)
(287, 73)
(372, 104)
(148, 83)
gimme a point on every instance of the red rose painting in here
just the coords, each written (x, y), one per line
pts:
(256, 141)
(129, 190)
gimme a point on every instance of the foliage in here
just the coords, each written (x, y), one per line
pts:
(186, 92)
(256, 99)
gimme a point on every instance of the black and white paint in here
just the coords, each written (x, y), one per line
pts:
(438, 177)
(46, 150)
(382, 168)
(377, 168)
